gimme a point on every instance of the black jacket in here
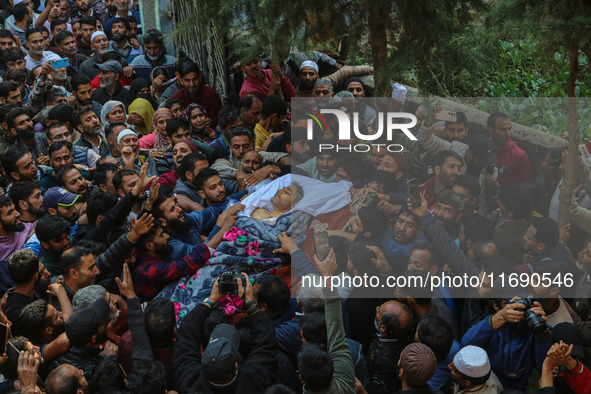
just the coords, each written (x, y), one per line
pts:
(81, 357)
(254, 376)
(382, 360)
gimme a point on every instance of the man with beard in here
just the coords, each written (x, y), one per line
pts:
(185, 230)
(447, 166)
(66, 44)
(156, 265)
(111, 10)
(511, 156)
(448, 211)
(456, 134)
(120, 42)
(53, 234)
(251, 107)
(398, 243)
(85, 40)
(36, 55)
(297, 145)
(60, 155)
(154, 56)
(229, 119)
(323, 92)
(185, 190)
(10, 93)
(58, 201)
(211, 188)
(81, 9)
(27, 272)
(20, 127)
(308, 78)
(82, 94)
(70, 178)
(18, 164)
(28, 200)
(78, 266)
(127, 182)
(100, 46)
(274, 111)
(111, 89)
(241, 142)
(195, 91)
(87, 123)
(322, 167)
(86, 329)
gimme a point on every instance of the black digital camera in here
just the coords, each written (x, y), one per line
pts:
(228, 282)
(535, 322)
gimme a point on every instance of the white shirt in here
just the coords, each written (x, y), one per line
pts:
(47, 56)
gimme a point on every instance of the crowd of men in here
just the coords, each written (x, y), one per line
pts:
(121, 169)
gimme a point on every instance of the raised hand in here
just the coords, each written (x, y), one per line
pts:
(126, 286)
(142, 224)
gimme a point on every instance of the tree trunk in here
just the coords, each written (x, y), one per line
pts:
(378, 20)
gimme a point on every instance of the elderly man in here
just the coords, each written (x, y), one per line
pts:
(100, 46)
(282, 202)
(129, 146)
(111, 72)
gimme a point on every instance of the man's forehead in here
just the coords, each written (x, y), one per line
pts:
(306, 70)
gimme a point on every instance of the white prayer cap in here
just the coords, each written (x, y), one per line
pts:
(309, 63)
(472, 361)
(96, 34)
(399, 92)
(123, 133)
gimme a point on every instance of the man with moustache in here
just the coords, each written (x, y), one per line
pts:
(447, 166)
(89, 126)
(308, 77)
(111, 72)
(70, 178)
(211, 188)
(20, 127)
(60, 155)
(28, 200)
(13, 232)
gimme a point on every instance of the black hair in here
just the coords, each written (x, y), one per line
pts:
(373, 220)
(469, 183)
(478, 227)
(57, 22)
(62, 112)
(99, 204)
(88, 20)
(118, 177)
(187, 68)
(78, 79)
(107, 375)
(52, 94)
(53, 126)
(51, 227)
(188, 163)
(101, 171)
(174, 124)
(433, 254)
(492, 119)
(394, 327)
(62, 173)
(96, 248)
(315, 366)
(22, 266)
(6, 87)
(153, 35)
(149, 236)
(460, 118)
(123, 21)
(22, 191)
(313, 326)
(72, 259)
(442, 156)
(111, 126)
(147, 377)
(161, 71)
(13, 154)
(164, 194)
(361, 257)
(203, 176)
(170, 102)
(77, 119)
(160, 321)
(6, 34)
(356, 169)
(32, 31)
(247, 100)
(15, 76)
(482, 251)
(13, 54)
(19, 12)
(227, 115)
(5, 201)
(62, 35)
(272, 291)
(273, 105)
(5, 109)
(57, 145)
(241, 131)
(436, 333)
(547, 232)
(34, 319)
(279, 389)
(516, 199)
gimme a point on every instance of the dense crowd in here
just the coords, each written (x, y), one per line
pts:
(155, 237)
